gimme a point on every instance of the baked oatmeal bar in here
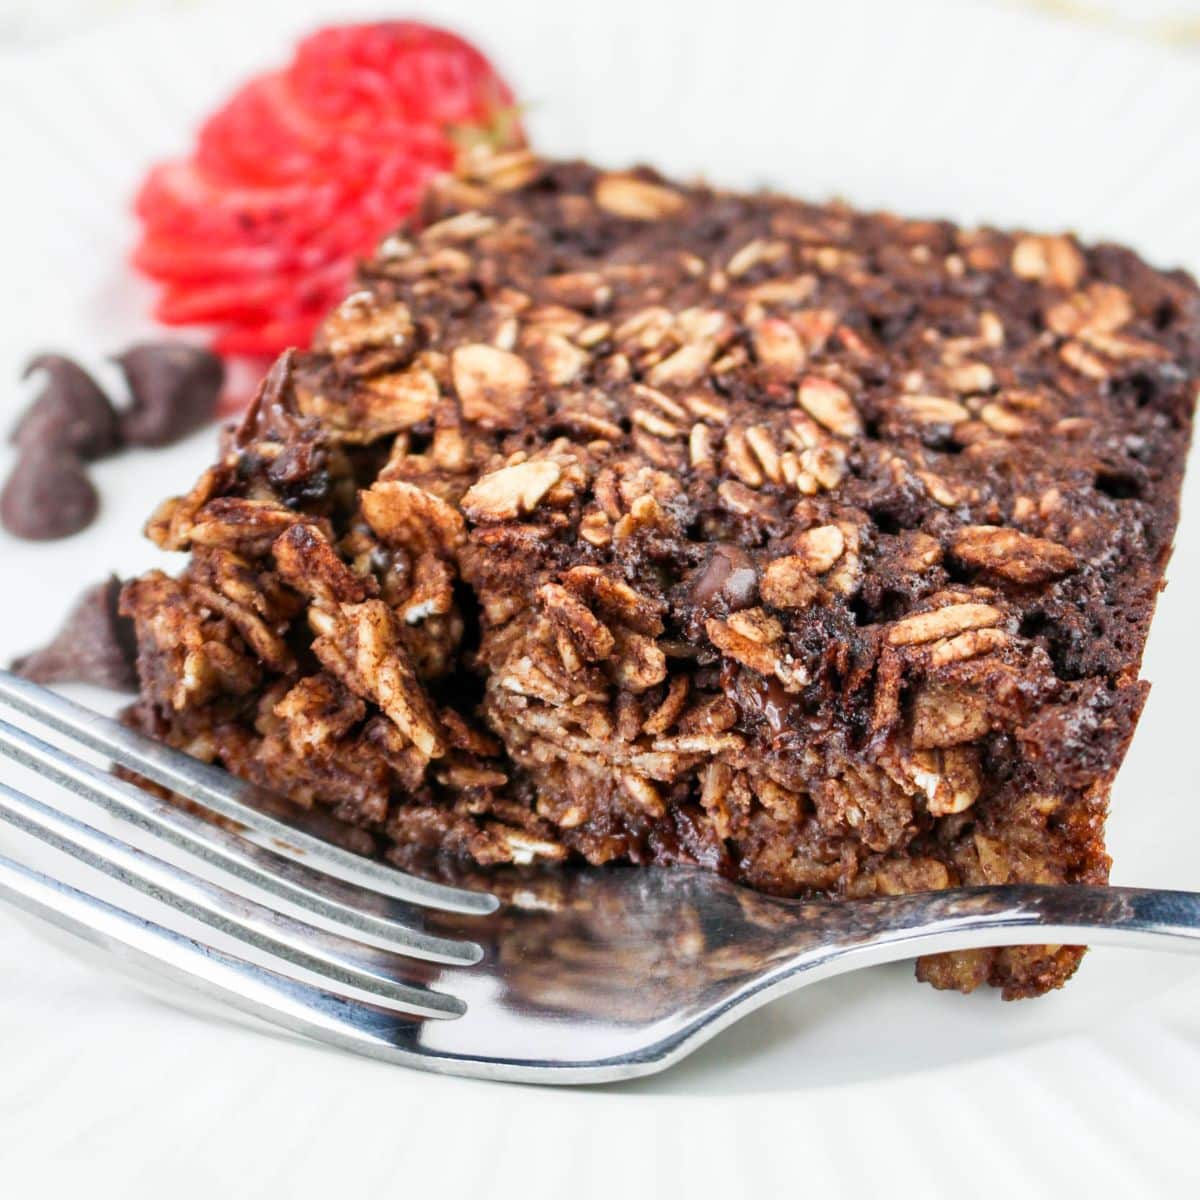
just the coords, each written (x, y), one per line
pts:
(620, 520)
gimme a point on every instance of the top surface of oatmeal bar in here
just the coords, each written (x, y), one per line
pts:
(631, 520)
(880, 407)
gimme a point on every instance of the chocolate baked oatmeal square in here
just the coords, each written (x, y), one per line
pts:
(616, 520)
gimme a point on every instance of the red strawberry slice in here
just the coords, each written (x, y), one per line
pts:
(179, 196)
(355, 75)
(175, 256)
(261, 134)
(248, 141)
(264, 135)
(303, 170)
(264, 340)
(251, 300)
(171, 257)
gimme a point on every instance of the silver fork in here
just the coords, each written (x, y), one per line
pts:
(564, 976)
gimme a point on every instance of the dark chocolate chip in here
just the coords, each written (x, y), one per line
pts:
(772, 702)
(71, 412)
(272, 414)
(728, 576)
(95, 645)
(48, 495)
(173, 388)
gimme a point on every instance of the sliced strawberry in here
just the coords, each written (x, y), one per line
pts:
(267, 338)
(262, 134)
(304, 170)
(251, 299)
(176, 257)
(355, 74)
(178, 195)
(182, 259)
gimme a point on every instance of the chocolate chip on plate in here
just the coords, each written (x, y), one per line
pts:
(48, 495)
(174, 389)
(95, 645)
(71, 412)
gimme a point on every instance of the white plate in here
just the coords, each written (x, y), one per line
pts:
(974, 111)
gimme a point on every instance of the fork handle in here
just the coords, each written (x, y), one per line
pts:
(891, 928)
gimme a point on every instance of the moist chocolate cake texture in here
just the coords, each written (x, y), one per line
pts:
(618, 520)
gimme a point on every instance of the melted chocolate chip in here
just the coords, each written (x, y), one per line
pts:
(272, 414)
(174, 390)
(48, 495)
(71, 412)
(774, 703)
(95, 645)
(729, 577)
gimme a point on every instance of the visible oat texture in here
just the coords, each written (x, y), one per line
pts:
(632, 522)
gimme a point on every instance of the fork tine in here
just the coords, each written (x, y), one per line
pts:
(290, 881)
(228, 796)
(293, 942)
(300, 1007)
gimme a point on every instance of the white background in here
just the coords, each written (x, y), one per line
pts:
(865, 1086)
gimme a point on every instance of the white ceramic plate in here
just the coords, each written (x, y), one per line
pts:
(974, 111)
